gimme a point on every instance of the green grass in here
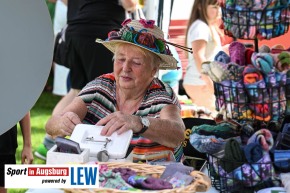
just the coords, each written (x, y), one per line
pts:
(40, 113)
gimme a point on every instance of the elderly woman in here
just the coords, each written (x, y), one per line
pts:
(130, 98)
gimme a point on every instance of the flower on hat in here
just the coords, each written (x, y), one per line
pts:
(146, 39)
(147, 23)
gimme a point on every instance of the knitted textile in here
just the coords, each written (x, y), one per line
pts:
(222, 57)
(253, 152)
(207, 144)
(255, 85)
(283, 63)
(264, 138)
(237, 53)
(223, 130)
(175, 167)
(217, 71)
(125, 172)
(234, 156)
(148, 183)
(179, 179)
(248, 55)
(263, 61)
(109, 179)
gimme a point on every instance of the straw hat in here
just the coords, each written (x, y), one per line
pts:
(144, 34)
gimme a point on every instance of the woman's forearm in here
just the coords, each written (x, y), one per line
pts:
(168, 130)
(165, 132)
(54, 126)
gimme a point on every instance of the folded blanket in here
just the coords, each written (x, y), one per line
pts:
(217, 71)
(223, 130)
(247, 131)
(250, 4)
(263, 62)
(276, 88)
(234, 156)
(253, 174)
(251, 74)
(257, 92)
(261, 112)
(238, 92)
(179, 179)
(242, 111)
(207, 144)
(148, 183)
(248, 54)
(221, 56)
(262, 137)
(253, 152)
(264, 49)
(283, 61)
(270, 80)
(175, 167)
(237, 53)
(224, 91)
(235, 71)
(286, 128)
(125, 172)
(109, 179)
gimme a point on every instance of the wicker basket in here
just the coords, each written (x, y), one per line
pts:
(201, 184)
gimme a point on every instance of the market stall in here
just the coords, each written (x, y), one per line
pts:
(247, 148)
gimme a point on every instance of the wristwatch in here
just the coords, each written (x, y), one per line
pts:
(145, 125)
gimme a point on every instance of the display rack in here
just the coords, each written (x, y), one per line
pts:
(256, 20)
(251, 20)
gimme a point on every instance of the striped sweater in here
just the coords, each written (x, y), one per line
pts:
(100, 98)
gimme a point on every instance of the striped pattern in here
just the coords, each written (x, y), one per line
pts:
(100, 98)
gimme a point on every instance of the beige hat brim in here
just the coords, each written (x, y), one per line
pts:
(167, 62)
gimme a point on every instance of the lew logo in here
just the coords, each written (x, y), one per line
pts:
(84, 175)
(52, 176)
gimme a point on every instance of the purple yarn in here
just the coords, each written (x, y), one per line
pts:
(151, 183)
(125, 172)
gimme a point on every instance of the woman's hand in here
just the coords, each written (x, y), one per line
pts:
(63, 124)
(69, 120)
(119, 122)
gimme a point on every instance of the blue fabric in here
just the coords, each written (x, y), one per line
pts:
(221, 56)
(253, 152)
(172, 77)
(282, 160)
(207, 144)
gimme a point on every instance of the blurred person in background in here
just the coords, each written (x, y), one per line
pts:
(204, 36)
(8, 146)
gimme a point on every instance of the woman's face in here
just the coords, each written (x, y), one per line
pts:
(212, 12)
(131, 67)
